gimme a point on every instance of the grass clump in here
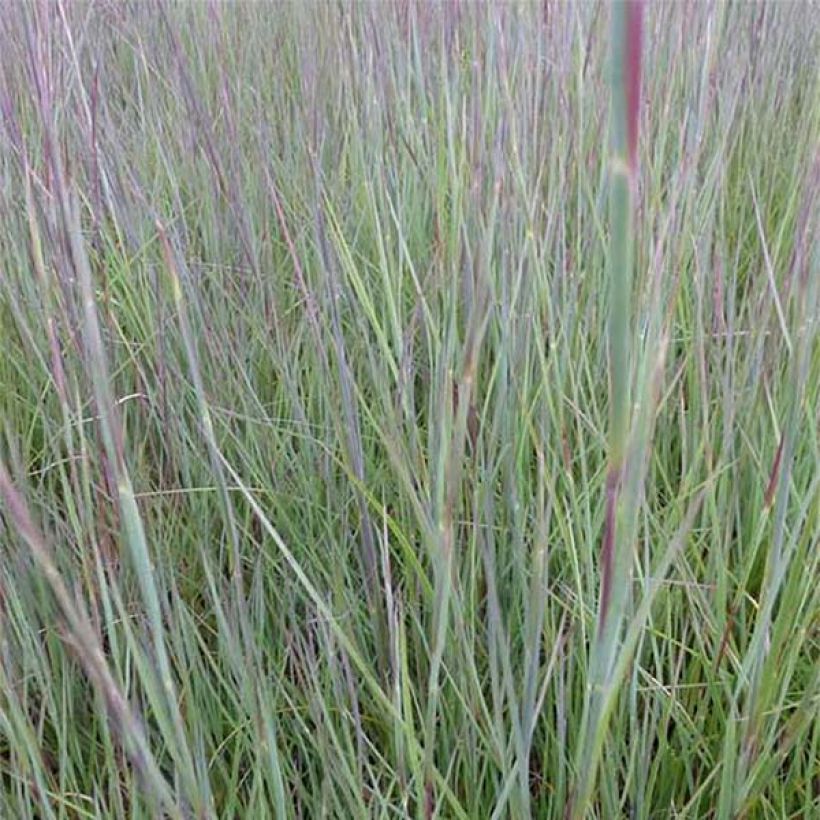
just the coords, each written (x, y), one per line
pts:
(409, 411)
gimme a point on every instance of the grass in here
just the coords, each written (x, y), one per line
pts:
(409, 411)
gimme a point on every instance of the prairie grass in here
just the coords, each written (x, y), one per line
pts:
(409, 410)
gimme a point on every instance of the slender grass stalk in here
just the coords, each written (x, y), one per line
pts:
(89, 652)
(616, 547)
(757, 691)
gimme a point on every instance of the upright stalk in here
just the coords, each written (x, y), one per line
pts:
(616, 557)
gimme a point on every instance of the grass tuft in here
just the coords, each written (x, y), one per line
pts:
(409, 410)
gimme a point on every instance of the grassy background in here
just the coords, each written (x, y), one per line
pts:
(304, 399)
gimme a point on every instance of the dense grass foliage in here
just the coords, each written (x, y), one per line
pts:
(401, 418)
